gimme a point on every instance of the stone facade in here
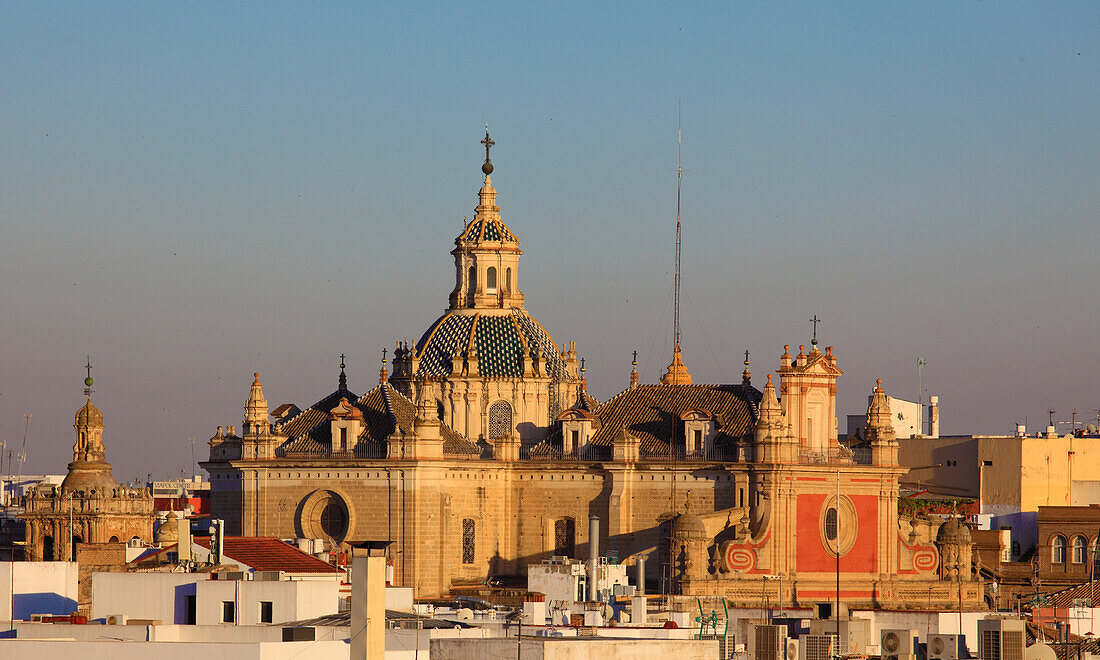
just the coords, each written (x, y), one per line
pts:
(90, 506)
(484, 453)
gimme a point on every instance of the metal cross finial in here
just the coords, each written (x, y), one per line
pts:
(746, 358)
(635, 362)
(383, 356)
(88, 379)
(488, 142)
(341, 360)
(582, 365)
(815, 321)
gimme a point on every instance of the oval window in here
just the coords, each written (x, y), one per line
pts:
(830, 524)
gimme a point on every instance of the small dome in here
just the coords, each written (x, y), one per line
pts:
(168, 532)
(953, 531)
(89, 415)
(689, 526)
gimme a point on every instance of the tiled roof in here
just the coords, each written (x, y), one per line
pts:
(1066, 597)
(270, 554)
(490, 228)
(384, 409)
(499, 341)
(651, 413)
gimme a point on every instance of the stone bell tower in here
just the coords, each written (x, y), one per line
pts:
(90, 506)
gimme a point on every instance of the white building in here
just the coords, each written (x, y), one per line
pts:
(194, 598)
(37, 587)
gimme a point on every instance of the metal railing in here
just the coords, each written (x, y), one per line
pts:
(835, 456)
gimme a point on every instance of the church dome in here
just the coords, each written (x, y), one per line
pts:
(953, 531)
(689, 526)
(89, 415)
(168, 532)
(499, 340)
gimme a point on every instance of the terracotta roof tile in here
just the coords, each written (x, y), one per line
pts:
(271, 554)
(385, 410)
(651, 413)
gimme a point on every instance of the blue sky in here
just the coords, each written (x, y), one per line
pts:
(193, 192)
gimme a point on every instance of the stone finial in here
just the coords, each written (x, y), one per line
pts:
(677, 373)
(255, 409)
(634, 371)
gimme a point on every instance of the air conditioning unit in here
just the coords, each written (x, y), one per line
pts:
(117, 620)
(897, 643)
(792, 650)
(817, 647)
(768, 642)
(944, 647)
(1001, 639)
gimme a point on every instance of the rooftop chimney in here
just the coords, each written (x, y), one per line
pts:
(593, 556)
(368, 601)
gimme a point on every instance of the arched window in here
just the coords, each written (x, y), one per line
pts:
(471, 279)
(491, 279)
(508, 279)
(1058, 550)
(500, 419)
(1079, 549)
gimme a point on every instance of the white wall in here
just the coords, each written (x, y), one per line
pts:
(160, 596)
(291, 600)
(20, 649)
(40, 587)
(163, 596)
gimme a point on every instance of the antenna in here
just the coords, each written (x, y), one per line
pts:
(679, 178)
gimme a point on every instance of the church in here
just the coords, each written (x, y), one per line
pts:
(483, 453)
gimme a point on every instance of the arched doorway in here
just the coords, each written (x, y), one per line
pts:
(47, 548)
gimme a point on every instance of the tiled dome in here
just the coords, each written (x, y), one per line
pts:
(500, 341)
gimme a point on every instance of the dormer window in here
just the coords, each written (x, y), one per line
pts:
(699, 431)
(345, 424)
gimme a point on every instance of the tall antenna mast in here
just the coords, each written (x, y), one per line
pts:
(679, 178)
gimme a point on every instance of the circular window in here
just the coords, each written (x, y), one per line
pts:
(325, 514)
(838, 525)
(334, 522)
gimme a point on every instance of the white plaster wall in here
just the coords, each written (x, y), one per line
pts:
(291, 600)
(37, 587)
(160, 596)
(19, 649)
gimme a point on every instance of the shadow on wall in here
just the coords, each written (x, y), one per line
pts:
(24, 605)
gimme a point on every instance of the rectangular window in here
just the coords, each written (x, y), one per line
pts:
(576, 438)
(192, 610)
(267, 611)
(467, 541)
(698, 439)
(229, 611)
(343, 438)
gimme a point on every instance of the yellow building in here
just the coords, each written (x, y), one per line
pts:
(484, 453)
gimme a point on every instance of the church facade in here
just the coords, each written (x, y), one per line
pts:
(90, 506)
(483, 453)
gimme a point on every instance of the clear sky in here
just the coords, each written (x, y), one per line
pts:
(192, 192)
